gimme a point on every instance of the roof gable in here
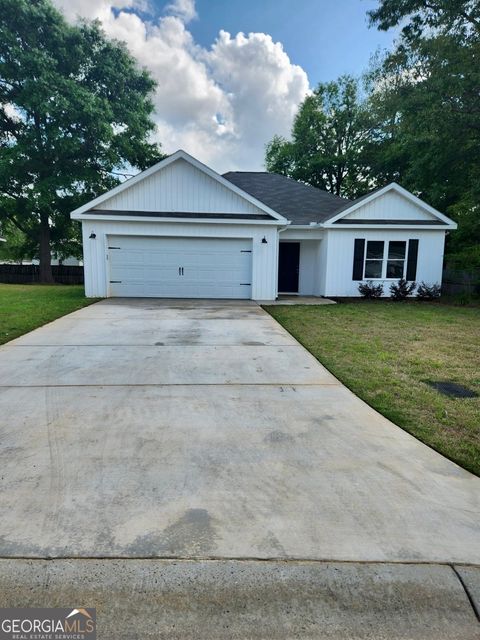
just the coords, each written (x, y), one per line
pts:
(390, 205)
(180, 184)
(179, 187)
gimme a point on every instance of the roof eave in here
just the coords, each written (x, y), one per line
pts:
(437, 227)
(309, 225)
(112, 218)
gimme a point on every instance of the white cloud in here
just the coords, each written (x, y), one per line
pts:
(183, 9)
(221, 104)
(263, 86)
(96, 9)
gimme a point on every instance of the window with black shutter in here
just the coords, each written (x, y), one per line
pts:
(385, 260)
(412, 260)
(358, 257)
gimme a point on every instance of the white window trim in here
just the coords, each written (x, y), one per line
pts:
(385, 260)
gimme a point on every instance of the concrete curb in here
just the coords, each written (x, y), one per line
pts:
(222, 600)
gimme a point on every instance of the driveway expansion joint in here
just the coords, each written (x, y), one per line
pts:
(246, 559)
(289, 385)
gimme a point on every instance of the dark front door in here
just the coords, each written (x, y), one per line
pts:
(288, 264)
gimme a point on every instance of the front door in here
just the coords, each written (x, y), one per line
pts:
(288, 267)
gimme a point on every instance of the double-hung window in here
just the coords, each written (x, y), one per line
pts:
(374, 259)
(385, 260)
(397, 250)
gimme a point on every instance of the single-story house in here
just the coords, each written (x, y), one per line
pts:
(181, 230)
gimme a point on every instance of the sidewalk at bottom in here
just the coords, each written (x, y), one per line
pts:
(249, 599)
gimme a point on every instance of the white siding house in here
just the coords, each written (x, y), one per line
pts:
(179, 229)
(338, 281)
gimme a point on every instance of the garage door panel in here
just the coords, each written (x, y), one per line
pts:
(180, 267)
(144, 258)
(144, 274)
(202, 275)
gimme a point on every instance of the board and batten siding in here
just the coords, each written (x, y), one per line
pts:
(179, 187)
(309, 274)
(390, 206)
(336, 257)
(264, 255)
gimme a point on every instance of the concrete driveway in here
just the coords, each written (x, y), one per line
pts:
(192, 472)
(188, 429)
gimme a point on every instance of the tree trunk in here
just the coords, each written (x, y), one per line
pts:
(46, 275)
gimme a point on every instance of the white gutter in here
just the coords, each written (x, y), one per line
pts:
(326, 225)
(438, 227)
(114, 218)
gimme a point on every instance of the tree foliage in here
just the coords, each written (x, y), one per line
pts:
(16, 247)
(419, 123)
(74, 109)
(327, 140)
(423, 16)
(425, 102)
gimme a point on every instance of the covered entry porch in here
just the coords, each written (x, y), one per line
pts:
(300, 261)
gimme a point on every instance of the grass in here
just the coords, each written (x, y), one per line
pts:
(385, 352)
(24, 307)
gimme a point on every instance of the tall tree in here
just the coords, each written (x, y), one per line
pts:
(328, 136)
(426, 105)
(74, 112)
(420, 16)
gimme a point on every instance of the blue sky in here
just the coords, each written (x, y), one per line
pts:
(232, 74)
(325, 37)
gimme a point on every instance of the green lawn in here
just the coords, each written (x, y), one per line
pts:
(386, 352)
(24, 307)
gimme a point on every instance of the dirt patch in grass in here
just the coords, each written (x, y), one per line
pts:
(25, 307)
(388, 352)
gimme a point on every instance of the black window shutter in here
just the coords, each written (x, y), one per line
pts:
(412, 260)
(358, 256)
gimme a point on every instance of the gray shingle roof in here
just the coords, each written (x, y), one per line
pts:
(300, 203)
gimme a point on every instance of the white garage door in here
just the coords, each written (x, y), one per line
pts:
(180, 267)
